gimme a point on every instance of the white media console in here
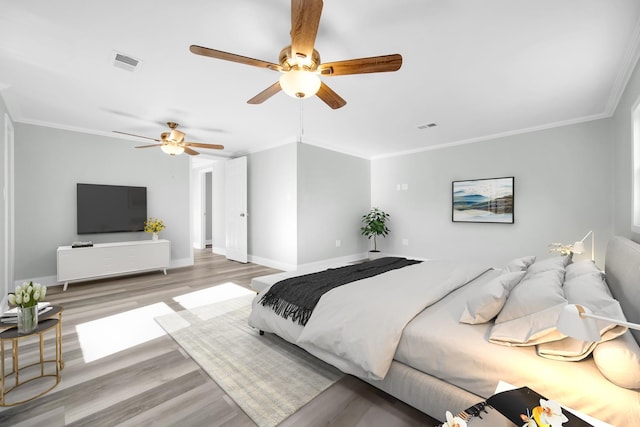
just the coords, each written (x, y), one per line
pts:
(111, 259)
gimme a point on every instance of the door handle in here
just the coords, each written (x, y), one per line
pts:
(242, 215)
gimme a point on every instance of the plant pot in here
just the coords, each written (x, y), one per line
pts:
(374, 255)
(27, 319)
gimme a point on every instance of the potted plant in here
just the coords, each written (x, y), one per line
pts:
(375, 225)
(26, 298)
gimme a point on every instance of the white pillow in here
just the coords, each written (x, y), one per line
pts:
(619, 361)
(567, 349)
(532, 309)
(589, 290)
(577, 269)
(520, 264)
(556, 263)
(489, 299)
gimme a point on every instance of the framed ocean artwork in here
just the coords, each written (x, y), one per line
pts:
(483, 200)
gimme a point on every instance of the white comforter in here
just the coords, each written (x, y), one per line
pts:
(357, 327)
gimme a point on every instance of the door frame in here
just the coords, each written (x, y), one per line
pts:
(9, 212)
(205, 214)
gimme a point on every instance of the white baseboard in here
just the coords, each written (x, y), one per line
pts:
(333, 262)
(271, 263)
(178, 263)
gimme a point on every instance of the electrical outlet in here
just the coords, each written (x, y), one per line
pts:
(405, 242)
(338, 243)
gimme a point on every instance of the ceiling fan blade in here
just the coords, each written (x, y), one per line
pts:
(226, 56)
(190, 152)
(374, 64)
(305, 19)
(137, 136)
(330, 98)
(149, 146)
(265, 94)
(201, 145)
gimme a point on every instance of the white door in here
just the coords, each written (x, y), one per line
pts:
(236, 209)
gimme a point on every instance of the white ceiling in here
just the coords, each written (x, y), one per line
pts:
(476, 68)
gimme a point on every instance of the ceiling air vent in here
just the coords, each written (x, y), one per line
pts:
(125, 62)
(427, 126)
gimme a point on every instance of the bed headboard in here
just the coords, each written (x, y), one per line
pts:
(622, 267)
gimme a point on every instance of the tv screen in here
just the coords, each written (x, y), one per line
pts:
(110, 208)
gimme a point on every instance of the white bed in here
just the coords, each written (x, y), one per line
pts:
(441, 364)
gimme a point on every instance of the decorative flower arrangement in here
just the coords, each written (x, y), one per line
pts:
(454, 421)
(28, 294)
(564, 250)
(548, 414)
(154, 225)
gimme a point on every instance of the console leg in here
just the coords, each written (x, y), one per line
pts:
(164, 270)
(65, 286)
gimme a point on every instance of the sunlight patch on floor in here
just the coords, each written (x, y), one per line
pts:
(109, 335)
(212, 295)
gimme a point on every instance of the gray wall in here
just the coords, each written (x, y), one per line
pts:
(333, 194)
(4, 288)
(48, 164)
(623, 149)
(562, 190)
(301, 200)
(271, 204)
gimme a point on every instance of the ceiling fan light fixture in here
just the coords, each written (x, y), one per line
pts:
(300, 83)
(172, 149)
(176, 136)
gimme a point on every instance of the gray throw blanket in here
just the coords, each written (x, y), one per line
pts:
(296, 297)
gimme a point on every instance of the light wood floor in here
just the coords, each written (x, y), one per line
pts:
(156, 383)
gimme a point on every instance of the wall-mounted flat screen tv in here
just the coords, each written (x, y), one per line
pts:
(110, 208)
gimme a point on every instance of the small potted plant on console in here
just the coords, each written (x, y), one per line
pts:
(154, 225)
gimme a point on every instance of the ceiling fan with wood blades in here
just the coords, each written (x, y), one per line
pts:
(300, 63)
(173, 142)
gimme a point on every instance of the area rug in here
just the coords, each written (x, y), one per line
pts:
(266, 376)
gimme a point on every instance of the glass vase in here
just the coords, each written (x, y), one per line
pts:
(27, 319)
(155, 236)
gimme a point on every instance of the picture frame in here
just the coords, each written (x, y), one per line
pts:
(488, 200)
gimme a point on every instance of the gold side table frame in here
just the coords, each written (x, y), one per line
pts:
(45, 324)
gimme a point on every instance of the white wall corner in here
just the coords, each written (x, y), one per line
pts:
(179, 263)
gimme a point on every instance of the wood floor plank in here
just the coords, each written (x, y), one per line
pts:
(155, 382)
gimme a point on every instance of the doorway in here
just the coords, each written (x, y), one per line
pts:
(207, 208)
